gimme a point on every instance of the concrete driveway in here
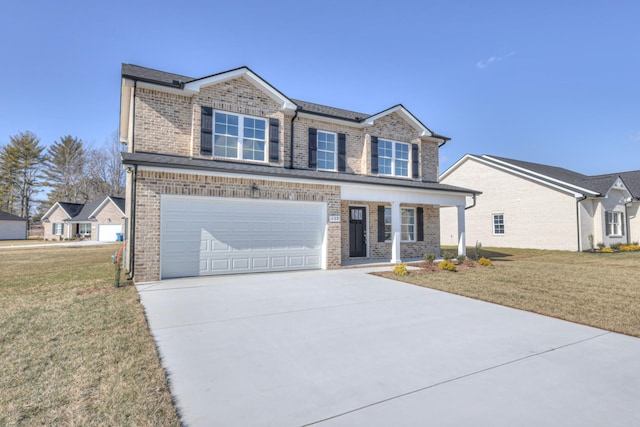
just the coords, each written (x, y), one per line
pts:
(344, 348)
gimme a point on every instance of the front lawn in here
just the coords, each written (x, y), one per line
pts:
(74, 350)
(601, 290)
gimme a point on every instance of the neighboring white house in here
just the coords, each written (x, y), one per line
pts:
(12, 227)
(529, 205)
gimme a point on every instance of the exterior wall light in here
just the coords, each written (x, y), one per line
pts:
(255, 191)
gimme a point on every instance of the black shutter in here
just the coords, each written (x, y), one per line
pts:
(313, 148)
(274, 139)
(420, 219)
(342, 152)
(622, 221)
(414, 160)
(374, 154)
(206, 130)
(380, 223)
(607, 222)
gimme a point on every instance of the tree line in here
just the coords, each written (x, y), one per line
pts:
(32, 177)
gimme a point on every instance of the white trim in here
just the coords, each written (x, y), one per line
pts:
(286, 104)
(541, 175)
(101, 205)
(361, 191)
(240, 137)
(515, 172)
(334, 120)
(394, 145)
(424, 132)
(335, 151)
(46, 215)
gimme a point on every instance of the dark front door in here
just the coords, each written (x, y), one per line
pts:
(357, 235)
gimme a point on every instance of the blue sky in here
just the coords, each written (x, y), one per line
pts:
(553, 82)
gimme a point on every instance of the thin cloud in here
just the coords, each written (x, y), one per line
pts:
(481, 65)
(635, 137)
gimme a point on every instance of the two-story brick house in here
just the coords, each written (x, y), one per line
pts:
(226, 174)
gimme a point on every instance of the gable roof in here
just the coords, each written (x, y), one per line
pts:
(78, 212)
(558, 177)
(6, 216)
(176, 83)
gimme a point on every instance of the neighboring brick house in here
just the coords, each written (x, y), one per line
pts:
(529, 205)
(225, 174)
(100, 220)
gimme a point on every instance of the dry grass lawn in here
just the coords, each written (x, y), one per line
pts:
(74, 350)
(601, 290)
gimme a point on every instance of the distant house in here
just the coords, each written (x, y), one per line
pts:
(100, 220)
(529, 205)
(12, 227)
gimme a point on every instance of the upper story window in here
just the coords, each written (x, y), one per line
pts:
(327, 152)
(239, 137)
(615, 225)
(498, 224)
(393, 158)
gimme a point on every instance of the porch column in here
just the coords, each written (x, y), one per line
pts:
(462, 241)
(395, 232)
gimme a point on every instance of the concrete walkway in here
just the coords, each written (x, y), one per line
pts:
(344, 348)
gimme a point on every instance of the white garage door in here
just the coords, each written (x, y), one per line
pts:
(107, 232)
(206, 235)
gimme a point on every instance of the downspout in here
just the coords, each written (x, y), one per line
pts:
(295, 116)
(578, 221)
(134, 175)
(626, 218)
(474, 203)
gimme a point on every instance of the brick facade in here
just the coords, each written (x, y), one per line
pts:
(170, 124)
(382, 250)
(152, 184)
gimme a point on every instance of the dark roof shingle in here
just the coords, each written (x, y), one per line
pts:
(6, 216)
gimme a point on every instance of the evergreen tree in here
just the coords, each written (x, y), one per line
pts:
(65, 168)
(21, 165)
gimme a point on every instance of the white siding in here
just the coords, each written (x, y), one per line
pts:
(13, 230)
(535, 216)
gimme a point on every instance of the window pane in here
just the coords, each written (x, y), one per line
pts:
(402, 168)
(402, 151)
(326, 150)
(408, 224)
(384, 166)
(387, 224)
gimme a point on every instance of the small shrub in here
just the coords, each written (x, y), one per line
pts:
(448, 256)
(485, 262)
(630, 248)
(461, 259)
(429, 258)
(615, 246)
(607, 250)
(478, 250)
(600, 245)
(400, 270)
(447, 265)
(591, 244)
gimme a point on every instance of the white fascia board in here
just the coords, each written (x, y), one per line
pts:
(373, 191)
(529, 172)
(56, 204)
(455, 166)
(533, 178)
(102, 204)
(333, 120)
(424, 132)
(126, 93)
(620, 186)
(286, 105)
(385, 194)
(167, 89)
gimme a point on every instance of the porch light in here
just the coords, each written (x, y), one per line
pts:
(255, 191)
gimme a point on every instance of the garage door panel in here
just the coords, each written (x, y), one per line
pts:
(202, 236)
